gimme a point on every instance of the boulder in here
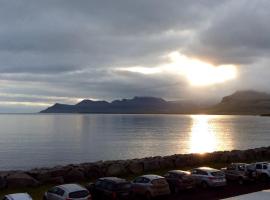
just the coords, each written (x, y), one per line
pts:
(151, 165)
(136, 167)
(55, 180)
(74, 175)
(166, 163)
(21, 180)
(3, 182)
(116, 169)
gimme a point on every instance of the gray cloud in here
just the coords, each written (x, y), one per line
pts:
(65, 50)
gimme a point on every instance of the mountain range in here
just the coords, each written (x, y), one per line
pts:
(241, 102)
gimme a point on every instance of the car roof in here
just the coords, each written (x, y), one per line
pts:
(180, 172)
(71, 187)
(208, 169)
(19, 196)
(114, 179)
(152, 176)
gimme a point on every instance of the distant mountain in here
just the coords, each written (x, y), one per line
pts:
(244, 103)
(135, 105)
(240, 103)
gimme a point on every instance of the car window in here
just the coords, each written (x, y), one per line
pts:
(231, 167)
(138, 180)
(258, 166)
(98, 183)
(53, 190)
(217, 173)
(200, 172)
(241, 167)
(60, 192)
(146, 180)
(79, 194)
(194, 171)
(264, 166)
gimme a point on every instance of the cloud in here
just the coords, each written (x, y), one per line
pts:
(71, 49)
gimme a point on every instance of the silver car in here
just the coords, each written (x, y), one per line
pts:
(17, 196)
(67, 191)
(150, 186)
(208, 177)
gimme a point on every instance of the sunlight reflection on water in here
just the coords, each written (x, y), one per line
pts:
(206, 136)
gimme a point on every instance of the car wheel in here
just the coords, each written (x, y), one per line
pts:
(240, 181)
(204, 185)
(148, 196)
(264, 177)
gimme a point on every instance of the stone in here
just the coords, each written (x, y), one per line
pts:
(151, 165)
(136, 167)
(21, 180)
(55, 180)
(116, 169)
(74, 175)
(3, 182)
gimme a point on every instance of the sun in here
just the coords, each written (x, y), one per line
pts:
(200, 73)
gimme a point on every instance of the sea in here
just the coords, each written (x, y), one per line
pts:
(45, 140)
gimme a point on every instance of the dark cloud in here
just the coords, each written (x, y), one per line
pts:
(65, 50)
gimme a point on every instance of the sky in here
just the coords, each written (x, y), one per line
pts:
(65, 50)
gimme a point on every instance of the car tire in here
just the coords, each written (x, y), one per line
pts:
(204, 185)
(264, 177)
(240, 181)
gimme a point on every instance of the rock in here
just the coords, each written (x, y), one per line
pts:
(166, 163)
(116, 169)
(55, 180)
(60, 171)
(151, 165)
(21, 180)
(136, 167)
(93, 172)
(74, 175)
(3, 182)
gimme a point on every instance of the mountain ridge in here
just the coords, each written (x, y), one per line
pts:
(245, 102)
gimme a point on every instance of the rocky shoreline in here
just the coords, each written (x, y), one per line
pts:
(90, 171)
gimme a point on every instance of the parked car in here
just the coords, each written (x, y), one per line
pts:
(208, 177)
(17, 196)
(150, 186)
(67, 192)
(262, 169)
(240, 172)
(110, 188)
(179, 180)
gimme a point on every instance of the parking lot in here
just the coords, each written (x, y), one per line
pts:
(232, 189)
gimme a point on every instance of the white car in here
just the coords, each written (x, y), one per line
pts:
(17, 196)
(67, 191)
(262, 169)
(150, 186)
(208, 177)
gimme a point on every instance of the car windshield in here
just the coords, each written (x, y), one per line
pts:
(217, 174)
(79, 194)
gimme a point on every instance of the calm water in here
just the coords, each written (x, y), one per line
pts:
(28, 141)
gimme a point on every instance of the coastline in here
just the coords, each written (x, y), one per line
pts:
(125, 168)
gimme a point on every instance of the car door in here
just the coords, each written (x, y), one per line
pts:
(138, 185)
(196, 176)
(231, 172)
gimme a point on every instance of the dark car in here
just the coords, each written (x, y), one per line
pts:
(179, 180)
(239, 172)
(110, 188)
